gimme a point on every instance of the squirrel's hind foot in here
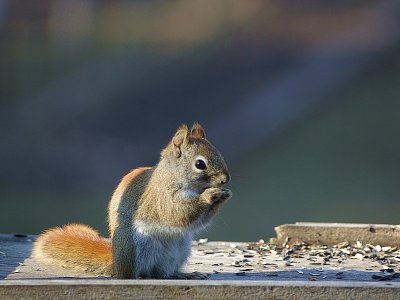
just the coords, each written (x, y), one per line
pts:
(194, 275)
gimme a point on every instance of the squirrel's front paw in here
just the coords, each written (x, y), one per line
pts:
(213, 195)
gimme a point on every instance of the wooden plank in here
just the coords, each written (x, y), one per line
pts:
(174, 289)
(334, 233)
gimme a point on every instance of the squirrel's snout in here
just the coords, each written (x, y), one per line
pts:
(224, 178)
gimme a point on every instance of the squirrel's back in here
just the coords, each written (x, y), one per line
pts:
(77, 246)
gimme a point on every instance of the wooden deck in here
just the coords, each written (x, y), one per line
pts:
(259, 270)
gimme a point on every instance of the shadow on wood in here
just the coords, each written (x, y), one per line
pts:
(14, 250)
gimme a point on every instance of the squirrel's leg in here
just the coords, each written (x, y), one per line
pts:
(215, 197)
(190, 206)
(123, 253)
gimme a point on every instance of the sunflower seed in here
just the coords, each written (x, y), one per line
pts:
(202, 241)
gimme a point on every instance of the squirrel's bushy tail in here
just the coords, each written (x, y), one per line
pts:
(75, 246)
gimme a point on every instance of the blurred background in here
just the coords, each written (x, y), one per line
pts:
(302, 98)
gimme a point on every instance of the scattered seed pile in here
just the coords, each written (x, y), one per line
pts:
(303, 261)
(387, 258)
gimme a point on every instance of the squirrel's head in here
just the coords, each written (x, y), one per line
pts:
(195, 159)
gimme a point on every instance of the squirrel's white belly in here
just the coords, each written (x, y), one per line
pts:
(157, 255)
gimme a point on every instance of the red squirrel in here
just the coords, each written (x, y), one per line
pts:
(152, 215)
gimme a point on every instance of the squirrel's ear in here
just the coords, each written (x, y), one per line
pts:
(180, 139)
(198, 131)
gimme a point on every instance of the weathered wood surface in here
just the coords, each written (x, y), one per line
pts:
(223, 260)
(333, 233)
(238, 271)
(207, 289)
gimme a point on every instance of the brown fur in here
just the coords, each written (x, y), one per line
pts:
(197, 131)
(155, 208)
(174, 195)
(126, 196)
(122, 206)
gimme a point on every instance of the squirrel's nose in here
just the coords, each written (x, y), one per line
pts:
(225, 178)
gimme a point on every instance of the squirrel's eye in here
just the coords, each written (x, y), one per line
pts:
(200, 164)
